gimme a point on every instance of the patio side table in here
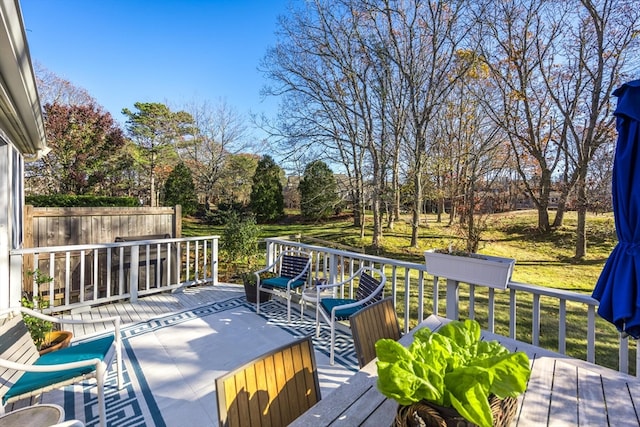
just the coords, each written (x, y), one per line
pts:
(310, 295)
(36, 416)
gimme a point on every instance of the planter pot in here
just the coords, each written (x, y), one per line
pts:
(251, 292)
(428, 414)
(57, 340)
(486, 270)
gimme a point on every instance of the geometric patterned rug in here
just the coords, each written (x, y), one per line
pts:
(135, 404)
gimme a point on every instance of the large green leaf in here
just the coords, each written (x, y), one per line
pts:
(452, 367)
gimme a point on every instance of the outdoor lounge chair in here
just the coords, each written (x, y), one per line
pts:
(333, 310)
(24, 373)
(376, 321)
(292, 273)
(272, 390)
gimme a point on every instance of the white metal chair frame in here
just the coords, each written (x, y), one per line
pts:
(330, 318)
(284, 292)
(100, 366)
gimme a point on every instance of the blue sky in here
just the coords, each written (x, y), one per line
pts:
(175, 52)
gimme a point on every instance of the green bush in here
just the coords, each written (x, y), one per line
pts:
(240, 242)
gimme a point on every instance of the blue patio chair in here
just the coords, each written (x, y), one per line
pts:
(370, 290)
(292, 274)
(25, 373)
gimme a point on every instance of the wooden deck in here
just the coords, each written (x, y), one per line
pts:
(152, 306)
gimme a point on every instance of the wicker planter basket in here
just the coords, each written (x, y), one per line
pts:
(426, 414)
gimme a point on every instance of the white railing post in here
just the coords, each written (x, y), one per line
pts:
(453, 299)
(333, 268)
(623, 355)
(270, 252)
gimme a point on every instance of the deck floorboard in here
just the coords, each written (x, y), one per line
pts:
(151, 306)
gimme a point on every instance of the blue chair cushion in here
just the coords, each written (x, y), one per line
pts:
(281, 282)
(30, 381)
(328, 303)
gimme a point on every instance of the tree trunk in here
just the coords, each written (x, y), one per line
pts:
(581, 229)
(440, 209)
(543, 218)
(417, 210)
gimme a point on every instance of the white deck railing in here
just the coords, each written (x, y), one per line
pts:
(86, 275)
(534, 314)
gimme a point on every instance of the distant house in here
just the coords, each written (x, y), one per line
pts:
(22, 138)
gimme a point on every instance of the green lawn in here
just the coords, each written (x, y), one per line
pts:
(544, 260)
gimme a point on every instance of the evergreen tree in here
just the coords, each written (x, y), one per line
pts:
(267, 201)
(180, 190)
(156, 130)
(318, 191)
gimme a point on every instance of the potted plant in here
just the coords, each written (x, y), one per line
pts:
(249, 280)
(477, 269)
(454, 374)
(45, 338)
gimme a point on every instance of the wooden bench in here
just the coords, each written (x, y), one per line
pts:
(24, 373)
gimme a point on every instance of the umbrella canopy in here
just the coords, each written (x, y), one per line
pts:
(618, 288)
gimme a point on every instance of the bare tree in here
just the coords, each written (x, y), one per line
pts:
(53, 89)
(220, 131)
(519, 34)
(327, 101)
(423, 39)
(599, 43)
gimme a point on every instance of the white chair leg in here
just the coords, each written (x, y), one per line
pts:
(119, 366)
(118, 344)
(333, 339)
(318, 321)
(257, 299)
(102, 408)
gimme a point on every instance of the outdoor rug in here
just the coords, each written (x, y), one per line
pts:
(171, 363)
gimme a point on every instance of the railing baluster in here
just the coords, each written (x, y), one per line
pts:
(535, 323)
(108, 267)
(591, 335)
(491, 326)
(407, 296)
(169, 270)
(472, 301)
(436, 296)
(52, 283)
(420, 294)
(197, 263)
(96, 290)
(67, 277)
(512, 313)
(82, 258)
(562, 327)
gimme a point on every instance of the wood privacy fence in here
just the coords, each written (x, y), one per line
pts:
(46, 227)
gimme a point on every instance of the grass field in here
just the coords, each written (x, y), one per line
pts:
(544, 260)
(541, 259)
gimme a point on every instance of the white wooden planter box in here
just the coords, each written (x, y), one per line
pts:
(486, 270)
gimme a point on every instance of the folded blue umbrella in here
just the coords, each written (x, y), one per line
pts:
(618, 287)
